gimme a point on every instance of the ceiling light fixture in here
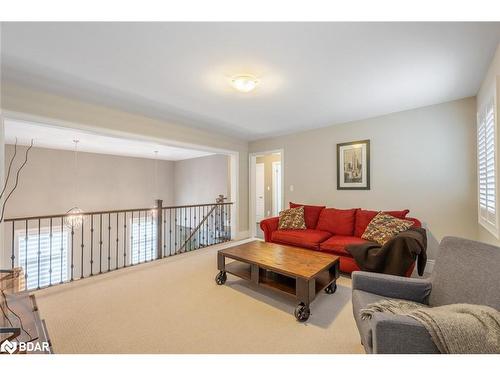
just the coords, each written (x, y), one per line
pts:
(244, 83)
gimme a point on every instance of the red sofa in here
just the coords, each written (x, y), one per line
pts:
(329, 230)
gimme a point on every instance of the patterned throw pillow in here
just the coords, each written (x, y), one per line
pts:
(383, 227)
(293, 218)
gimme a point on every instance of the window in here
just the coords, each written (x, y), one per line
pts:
(486, 150)
(143, 239)
(48, 267)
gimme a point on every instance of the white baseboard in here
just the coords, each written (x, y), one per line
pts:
(242, 235)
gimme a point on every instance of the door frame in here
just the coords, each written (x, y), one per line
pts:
(252, 160)
(274, 191)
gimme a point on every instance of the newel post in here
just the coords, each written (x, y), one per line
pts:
(159, 228)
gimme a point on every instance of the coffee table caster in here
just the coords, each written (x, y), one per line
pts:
(302, 312)
(330, 289)
(221, 278)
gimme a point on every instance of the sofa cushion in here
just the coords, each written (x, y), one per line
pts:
(311, 214)
(336, 221)
(308, 238)
(293, 218)
(336, 244)
(383, 227)
(363, 218)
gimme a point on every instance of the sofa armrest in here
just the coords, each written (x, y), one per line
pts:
(400, 334)
(390, 286)
(268, 226)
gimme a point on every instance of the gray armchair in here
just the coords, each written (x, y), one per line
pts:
(465, 272)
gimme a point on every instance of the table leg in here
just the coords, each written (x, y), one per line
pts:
(305, 293)
(221, 277)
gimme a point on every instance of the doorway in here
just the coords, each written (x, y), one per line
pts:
(266, 185)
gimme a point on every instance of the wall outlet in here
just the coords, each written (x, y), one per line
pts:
(291, 187)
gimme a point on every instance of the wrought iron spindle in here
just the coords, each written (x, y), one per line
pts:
(72, 243)
(91, 245)
(82, 245)
(185, 225)
(132, 236)
(12, 256)
(39, 255)
(164, 232)
(152, 239)
(202, 229)
(100, 243)
(145, 236)
(116, 264)
(139, 239)
(170, 231)
(225, 223)
(50, 251)
(109, 241)
(212, 227)
(62, 249)
(125, 239)
(229, 224)
(26, 253)
(207, 228)
(196, 234)
(190, 229)
(175, 229)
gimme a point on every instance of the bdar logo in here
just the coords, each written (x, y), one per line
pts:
(8, 347)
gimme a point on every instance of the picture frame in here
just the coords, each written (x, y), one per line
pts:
(353, 165)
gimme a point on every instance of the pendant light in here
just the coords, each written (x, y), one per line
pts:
(74, 216)
(155, 193)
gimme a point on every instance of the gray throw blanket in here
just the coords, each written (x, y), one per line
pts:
(455, 329)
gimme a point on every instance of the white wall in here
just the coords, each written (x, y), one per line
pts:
(422, 159)
(491, 83)
(105, 182)
(201, 180)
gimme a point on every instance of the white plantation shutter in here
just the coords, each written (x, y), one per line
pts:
(486, 150)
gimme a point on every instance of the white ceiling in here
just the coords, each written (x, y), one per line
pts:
(311, 74)
(62, 139)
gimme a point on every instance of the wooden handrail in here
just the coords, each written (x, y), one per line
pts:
(112, 211)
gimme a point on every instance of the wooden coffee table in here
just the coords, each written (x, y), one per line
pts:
(296, 272)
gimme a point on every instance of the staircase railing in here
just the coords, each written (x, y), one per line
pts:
(49, 251)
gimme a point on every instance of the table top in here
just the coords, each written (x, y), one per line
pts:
(285, 259)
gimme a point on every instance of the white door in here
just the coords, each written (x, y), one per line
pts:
(259, 192)
(276, 188)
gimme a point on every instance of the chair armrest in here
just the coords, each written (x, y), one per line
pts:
(390, 286)
(400, 334)
(268, 226)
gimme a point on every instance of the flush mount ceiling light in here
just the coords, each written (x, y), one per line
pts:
(244, 83)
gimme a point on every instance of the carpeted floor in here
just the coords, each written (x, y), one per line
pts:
(174, 306)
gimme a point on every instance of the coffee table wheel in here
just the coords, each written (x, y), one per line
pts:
(302, 312)
(221, 278)
(330, 289)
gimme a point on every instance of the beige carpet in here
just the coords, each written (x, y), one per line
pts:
(174, 306)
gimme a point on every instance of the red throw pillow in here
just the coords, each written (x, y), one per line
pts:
(336, 221)
(311, 214)
(363, 218)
